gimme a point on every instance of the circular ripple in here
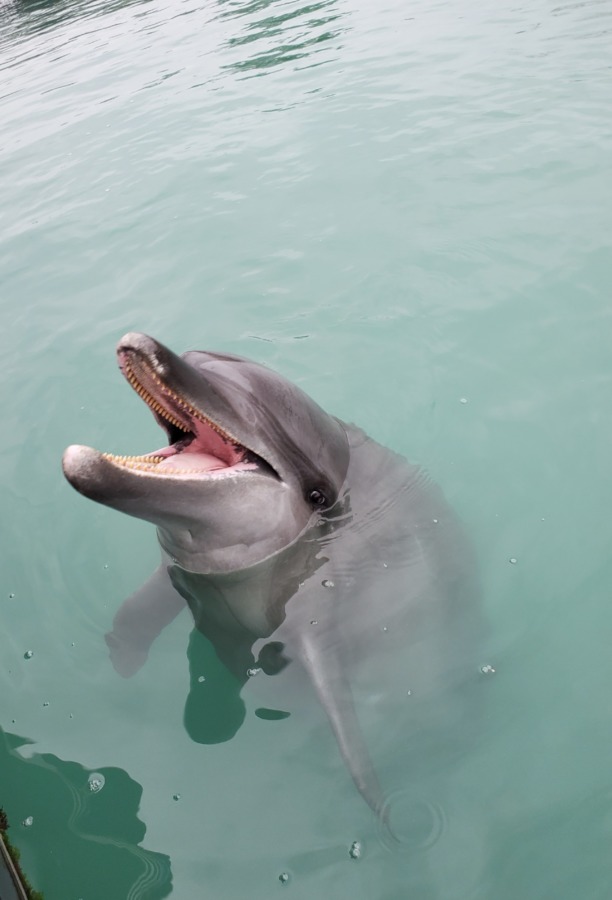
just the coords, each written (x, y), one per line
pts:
(410, 822)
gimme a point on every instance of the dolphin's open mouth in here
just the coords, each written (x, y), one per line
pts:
(197, 445)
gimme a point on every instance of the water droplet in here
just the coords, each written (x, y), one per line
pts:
(28, 821)
(283, 877)
(385, 565)
(513, 560)
(176, 796)
(328, 583)
(355, 850)
(409, 693)
(384, 628)
(487, 670)
(314, 622)
(106, 565)
(28, 654)
(96, 782)
(252, 672)
(201, 678)
(463, 400)
(46, 703)
(72, 644)
(435, 521)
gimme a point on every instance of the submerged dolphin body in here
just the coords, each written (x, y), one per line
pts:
(292, 536)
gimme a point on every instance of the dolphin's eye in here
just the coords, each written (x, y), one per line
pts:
(317, 498)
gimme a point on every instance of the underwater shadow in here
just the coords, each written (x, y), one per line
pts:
(83, 842)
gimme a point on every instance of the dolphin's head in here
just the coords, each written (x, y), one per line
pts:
(250, 461)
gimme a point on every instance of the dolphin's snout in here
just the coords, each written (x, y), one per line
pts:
(136, 340)
(75, 458)
(135, 345)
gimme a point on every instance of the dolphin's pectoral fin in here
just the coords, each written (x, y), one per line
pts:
(140, 619)
(333, 690)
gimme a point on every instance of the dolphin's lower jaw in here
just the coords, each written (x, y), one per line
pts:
(101, 476)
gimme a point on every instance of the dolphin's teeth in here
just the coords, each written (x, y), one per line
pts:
(159, 408)
(134, 462)
(148, 464)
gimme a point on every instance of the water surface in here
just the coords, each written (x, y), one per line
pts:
(406, 210)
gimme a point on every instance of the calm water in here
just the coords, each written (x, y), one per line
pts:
(408, 210)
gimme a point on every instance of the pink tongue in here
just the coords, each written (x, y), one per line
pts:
(203, 462)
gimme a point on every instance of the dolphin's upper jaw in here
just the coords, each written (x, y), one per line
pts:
(197, 446)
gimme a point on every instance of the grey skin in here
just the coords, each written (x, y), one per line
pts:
(306, 543)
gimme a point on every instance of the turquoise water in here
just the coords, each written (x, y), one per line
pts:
(406, 209)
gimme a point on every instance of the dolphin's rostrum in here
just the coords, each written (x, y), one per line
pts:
(289, 534)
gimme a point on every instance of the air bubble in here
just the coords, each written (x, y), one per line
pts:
(355, 850)
(314, 622)
(28, 654)
(327, 583)
(96, 782)
(176, 796)
(463, 400)
(11, 596)
(283, 877)
(512, 560)
(201, 678)
(487, 670)
(28, 821)
(252, 672)
(46, 703)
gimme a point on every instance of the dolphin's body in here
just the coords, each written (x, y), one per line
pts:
(293, 538)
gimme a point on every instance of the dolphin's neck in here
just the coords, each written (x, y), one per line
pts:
(253, 598)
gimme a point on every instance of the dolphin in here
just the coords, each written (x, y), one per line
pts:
(294, 539)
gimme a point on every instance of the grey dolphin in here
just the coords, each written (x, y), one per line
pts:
(292, 537)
